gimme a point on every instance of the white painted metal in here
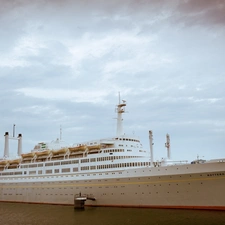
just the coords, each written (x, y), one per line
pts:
(151, 146)
(19, 152)
(6, 148)
(167, 145)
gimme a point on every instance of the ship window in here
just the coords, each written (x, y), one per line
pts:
(4, 174)
(32, 172)
(56, 163)
(48, 164)
(93, 160)
(93, 167)
(84, 160)
(65, 170)
(75, 161)
(66, 162)
(56, 170)
(24, 166)
(85, 168)
(18, 173)
(39, 171)
(75, 169)
(32, 165)
(48, 171)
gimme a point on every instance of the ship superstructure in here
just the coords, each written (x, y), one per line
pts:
(115, 171)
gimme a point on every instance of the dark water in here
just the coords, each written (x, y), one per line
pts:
(34, 214)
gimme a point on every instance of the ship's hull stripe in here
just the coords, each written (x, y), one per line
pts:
(221, 208)
(111, 184)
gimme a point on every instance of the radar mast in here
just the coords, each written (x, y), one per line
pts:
(120, 110)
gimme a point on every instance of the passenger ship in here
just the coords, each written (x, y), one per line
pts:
(115, 171)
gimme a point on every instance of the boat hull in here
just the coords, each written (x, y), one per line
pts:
(159, 187)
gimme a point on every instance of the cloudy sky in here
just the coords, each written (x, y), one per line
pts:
(64, 62)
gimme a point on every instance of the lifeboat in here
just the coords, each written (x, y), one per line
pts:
(43, 153)
(15, 161)
(28, 155)
(60, 151)
(4, 162)
(92, 147)
(78, 148)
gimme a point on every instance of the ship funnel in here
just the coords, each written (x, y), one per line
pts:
(151, 146)
(6, 148)
(19, 152)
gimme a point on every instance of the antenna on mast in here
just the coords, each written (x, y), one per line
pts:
(60, 137)
(151, 146)
(167, 145)
(14, 128)
(119, 97)
(120, 109)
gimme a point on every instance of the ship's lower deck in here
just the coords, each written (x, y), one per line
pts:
(203, 190)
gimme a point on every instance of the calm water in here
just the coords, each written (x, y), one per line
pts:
(34, 214)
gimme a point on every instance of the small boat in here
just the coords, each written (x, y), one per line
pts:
(15, 161)
(4, 162)
(78, 148)
(60, 151)
(28, 155)
(42, 153)
(92, 147)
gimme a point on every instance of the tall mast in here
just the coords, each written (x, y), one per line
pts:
(60, 136)
(151, 146)
(120, 109)
(167, 145)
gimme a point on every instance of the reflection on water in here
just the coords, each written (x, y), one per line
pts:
(35, 214)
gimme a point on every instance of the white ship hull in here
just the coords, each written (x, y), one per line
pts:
(167, 187)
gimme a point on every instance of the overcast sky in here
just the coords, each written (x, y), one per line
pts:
(64, 62)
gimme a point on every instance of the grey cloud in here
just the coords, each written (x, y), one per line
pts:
(171, 75)
(202, 12)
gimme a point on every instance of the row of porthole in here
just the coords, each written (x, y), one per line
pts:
(91, 187)
(99, 187)
(47, 177)
(219, 174)
(215, 174)
(102, 194)
(77, 175)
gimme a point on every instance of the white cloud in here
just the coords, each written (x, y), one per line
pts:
(81, 95)
(39, 110)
